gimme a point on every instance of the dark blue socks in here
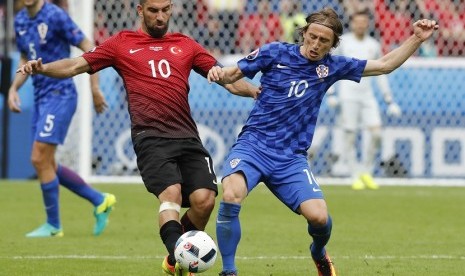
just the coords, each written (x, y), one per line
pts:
(50, 195)
(320, 238)
(77, 185)
(228, 233)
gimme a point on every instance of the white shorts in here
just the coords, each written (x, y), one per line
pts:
(359, 113)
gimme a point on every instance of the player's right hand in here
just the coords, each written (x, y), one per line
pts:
(424, 28)
(215, 74)
(14, 102)
(100, 104)
(31, 67)
(333, 101)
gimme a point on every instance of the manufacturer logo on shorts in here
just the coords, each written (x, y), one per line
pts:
(45, 134)
(233, 163)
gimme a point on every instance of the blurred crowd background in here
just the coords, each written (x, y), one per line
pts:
(427, 141)
(238, 27)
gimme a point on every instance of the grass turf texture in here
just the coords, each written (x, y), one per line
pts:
(392, 231)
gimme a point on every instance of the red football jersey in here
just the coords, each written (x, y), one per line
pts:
(155, 74)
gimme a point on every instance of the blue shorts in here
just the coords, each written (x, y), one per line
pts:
(288, 178)
(52, 117)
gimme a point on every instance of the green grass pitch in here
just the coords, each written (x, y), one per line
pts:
(392, 231)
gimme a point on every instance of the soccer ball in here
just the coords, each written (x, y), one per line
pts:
(195, 251)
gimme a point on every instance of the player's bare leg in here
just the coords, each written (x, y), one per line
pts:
(43, 160)
(202, 204)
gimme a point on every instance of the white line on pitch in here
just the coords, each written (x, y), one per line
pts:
(370, 257)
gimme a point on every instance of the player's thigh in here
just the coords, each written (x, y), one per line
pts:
(234, 187)
(53, 117)
(371, 117)
(349, 118)
(197, 170)
(243, 169)
(315, 211)
(157, 163)
(293, 183)
(43, 153)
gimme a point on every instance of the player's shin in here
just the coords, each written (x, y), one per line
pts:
(228, 233)
(170, 233)
(73, 182)
(50, 195)
(320, 237)
(187, 224)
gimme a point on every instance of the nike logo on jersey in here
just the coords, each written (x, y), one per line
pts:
(281, 66)
(316, 190)
(45, 134)
(132, 51)
(23, 32)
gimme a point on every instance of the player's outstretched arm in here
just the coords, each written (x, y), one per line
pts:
(231, 79)
(64, 68)
(422, 30)
(243, 88)
(224, 75)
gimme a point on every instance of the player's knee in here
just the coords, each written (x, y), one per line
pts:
(35, 160)
(319, 220)
(228, 196)
(234, 188)
(206, 207)
(203, 201)
(39, 162)
(315, 211)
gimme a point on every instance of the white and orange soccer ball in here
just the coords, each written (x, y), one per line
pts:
(196, 251)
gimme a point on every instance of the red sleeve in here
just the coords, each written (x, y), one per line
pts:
(103, 56)
(203, 60)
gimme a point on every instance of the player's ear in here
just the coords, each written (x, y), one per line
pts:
(139, 10)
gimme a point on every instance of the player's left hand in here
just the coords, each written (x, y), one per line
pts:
(394, 110)
(100, 103)
(424, 28)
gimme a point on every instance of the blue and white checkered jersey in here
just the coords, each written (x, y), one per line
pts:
(49, 35)
(285, 114)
